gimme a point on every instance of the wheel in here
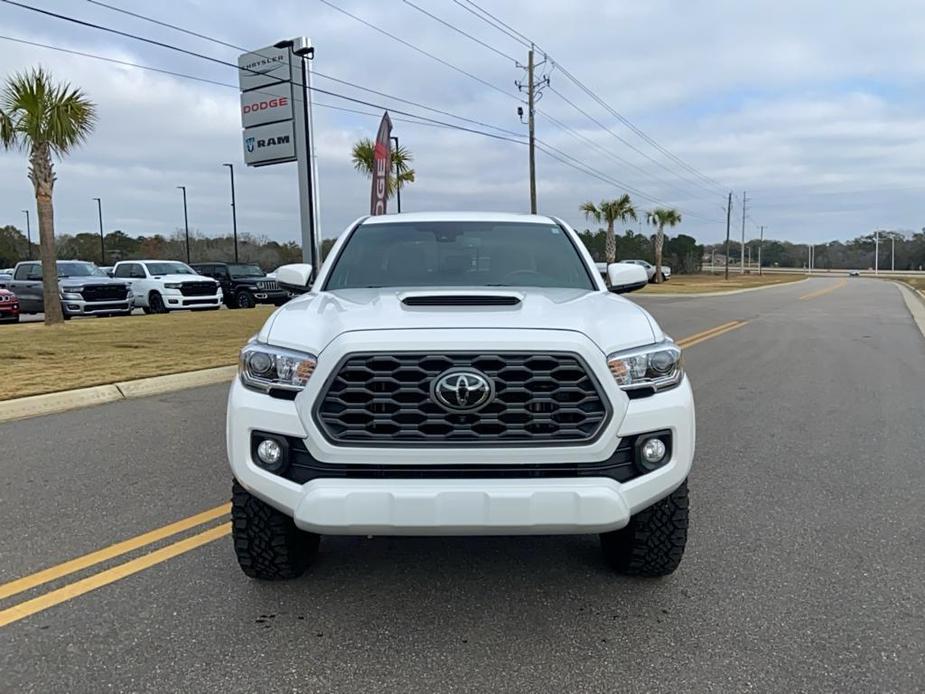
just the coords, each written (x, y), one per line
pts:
(268, 545)
(156, 303)
(664, 279)
(653, 542)
(244, 299)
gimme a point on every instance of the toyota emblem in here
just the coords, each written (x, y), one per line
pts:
(462, 390)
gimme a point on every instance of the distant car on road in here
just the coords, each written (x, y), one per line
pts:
(244, 285)
(854, 273)
(160, 286)
(83, 289)
(9, 307)
(650, 269)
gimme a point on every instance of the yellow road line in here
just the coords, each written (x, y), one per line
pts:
(103, 578)
(697, 338)
(101, 555)
(821, 292)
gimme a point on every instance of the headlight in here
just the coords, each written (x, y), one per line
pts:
(266, 368)
(71, 296)
(172, 285)
(656, 366)
(71, 289)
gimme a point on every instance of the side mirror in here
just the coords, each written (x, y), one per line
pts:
(295, 277)
(626, 277)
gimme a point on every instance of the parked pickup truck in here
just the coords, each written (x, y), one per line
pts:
(244, 285)
(84, 289)
(160, 286)
(460, 374)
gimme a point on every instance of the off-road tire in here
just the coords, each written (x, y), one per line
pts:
(653, 542)
(244, 299)
(268, 545)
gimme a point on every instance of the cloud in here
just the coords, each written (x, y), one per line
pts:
(800, 103)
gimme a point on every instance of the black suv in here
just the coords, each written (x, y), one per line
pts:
(244, 285)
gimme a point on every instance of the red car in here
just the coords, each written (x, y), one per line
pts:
(9, 307)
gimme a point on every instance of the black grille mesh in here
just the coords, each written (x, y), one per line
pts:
(384, 398)
(103, 292)
(198, 288)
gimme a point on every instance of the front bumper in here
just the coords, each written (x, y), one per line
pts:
(175, 299)
(461, 506)
(96, 308)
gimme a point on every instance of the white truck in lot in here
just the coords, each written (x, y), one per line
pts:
(460, 373)
(160, 286)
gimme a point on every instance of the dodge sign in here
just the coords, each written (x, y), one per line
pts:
(267, 105)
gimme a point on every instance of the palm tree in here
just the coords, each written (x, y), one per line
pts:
(363, 159)
(660, 218)
(46, 119)
(610, 211)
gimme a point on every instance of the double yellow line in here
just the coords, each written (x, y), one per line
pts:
(120, 571)
(115, 573)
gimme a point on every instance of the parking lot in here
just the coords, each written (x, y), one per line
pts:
(804, 570)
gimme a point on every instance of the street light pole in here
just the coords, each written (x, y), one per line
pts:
(234, 214)
(28, 236)
(397, 186)
(99, 209)
(892, 253)
(760, 244)
(877, 252)
(185, 223)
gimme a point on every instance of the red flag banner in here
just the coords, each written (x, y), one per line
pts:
(382, 166)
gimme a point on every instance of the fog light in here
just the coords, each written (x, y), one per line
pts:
(269, 452)
(653, 451)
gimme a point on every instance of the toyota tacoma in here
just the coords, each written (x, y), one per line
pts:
(457, 374)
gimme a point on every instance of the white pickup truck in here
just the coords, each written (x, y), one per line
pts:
(460, 373)
(160, 286)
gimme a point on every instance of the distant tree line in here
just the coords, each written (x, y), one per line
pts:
(681, 253)
(857, 253)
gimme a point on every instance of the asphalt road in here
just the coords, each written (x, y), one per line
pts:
(805, 569)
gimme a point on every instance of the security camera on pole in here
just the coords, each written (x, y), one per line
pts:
(277, 121)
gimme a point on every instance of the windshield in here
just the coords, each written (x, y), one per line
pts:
(459, 254)
(79, 270)
(170, 268)
(241, 271)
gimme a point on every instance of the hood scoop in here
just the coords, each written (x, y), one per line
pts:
(461, 298)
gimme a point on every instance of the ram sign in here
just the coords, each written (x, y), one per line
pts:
(269, 144)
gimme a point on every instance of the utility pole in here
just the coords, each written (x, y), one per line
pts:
(892, 253)
(28, 236)
(397, 187)
(760, 244)
(744, 203)
(877, 252)
(728, 220)
(234, 214)
(99, 208)
(533, 88)
(185, 223)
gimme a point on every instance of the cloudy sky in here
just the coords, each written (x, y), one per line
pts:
(815, 108)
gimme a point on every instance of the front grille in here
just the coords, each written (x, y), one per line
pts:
(104, 292)
(386, 399)
(198, 302)
(197, 288)
(267, 285)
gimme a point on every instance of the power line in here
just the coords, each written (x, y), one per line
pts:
(495, 21)
(420, 120)
(416, 48)
(498, 27)
(460, 31)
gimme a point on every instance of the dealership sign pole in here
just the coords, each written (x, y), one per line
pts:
(276, 121)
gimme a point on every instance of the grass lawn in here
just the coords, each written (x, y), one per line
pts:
(94, 351)
(706, 282)
(918, 282)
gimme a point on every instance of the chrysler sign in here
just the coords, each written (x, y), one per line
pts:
(266, 105)
(263, 68)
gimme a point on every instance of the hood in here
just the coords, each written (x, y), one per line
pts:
(312, 321)
(183, 278)
(83, 281)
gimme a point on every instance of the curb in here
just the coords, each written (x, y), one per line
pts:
(52, 403)
(915, 302)
(697, 295)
